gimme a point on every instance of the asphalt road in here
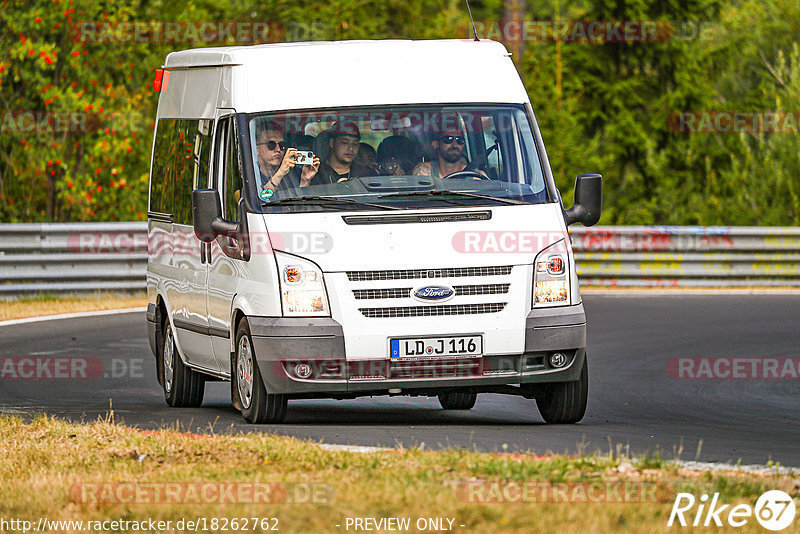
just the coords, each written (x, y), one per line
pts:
(634, 402)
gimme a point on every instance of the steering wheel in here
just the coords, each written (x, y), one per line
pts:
(467, 173)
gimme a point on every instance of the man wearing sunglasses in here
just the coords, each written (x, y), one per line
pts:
(276, 160)
(449, 148)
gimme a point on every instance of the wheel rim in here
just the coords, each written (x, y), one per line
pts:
(244, 372)
(169, 360)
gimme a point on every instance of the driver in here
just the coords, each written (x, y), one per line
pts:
(449, 149)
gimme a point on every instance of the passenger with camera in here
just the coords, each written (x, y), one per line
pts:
(276, 161)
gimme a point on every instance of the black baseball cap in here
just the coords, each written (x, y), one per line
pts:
(344, 128)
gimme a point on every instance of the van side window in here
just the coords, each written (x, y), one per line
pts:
(230, 179)
(202, 152)
(193, 152)
(163, 170)
(180, 165)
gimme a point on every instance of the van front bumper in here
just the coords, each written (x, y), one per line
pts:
(287, 348)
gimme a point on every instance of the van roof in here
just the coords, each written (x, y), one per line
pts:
(335, 74)
(242, 55)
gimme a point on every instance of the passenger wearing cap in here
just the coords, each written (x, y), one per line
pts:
(344, 139)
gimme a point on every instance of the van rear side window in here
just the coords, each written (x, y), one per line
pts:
(181, 158)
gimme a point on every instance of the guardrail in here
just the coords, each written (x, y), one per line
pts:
(78, 257)
(51, 258)
(669, 256)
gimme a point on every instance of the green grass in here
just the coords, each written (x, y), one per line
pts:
(44, 462)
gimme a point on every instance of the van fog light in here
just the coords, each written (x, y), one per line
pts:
(302, 370)
(558, 359)
(551, 291)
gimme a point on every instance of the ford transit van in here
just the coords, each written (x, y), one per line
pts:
(362, 218)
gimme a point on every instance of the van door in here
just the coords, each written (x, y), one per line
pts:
(187, 292)
(227, 254)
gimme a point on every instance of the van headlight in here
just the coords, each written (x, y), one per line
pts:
(550, 279)
(302, 287)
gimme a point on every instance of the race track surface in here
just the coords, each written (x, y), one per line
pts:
(633, 402)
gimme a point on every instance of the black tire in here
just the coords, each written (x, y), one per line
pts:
(257, 406)
(183, 387)
(456, 400)
(565, 402)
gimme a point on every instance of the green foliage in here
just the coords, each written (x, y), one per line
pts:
(608, 112)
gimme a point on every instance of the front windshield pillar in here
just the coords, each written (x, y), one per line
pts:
(542, 153)
(245, 162)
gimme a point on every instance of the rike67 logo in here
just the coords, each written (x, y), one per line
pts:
(774, 510)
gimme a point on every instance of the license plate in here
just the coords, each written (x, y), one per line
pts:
(436, 347)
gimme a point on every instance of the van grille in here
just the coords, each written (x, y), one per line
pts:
(426, 311)
(450, 368)
(485, 289)
(400, 293)
(366, 276)
(405, 292)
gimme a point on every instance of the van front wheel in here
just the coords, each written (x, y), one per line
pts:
(183, 387)
(565, 402)
(257, 405)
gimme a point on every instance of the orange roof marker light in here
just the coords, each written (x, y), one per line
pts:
(161, 80)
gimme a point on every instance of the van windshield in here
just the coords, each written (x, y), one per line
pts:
(395, 157)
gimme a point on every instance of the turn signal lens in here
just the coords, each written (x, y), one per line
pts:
(555, 265)
(292, 274)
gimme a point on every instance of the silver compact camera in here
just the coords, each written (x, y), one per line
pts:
(303, 157)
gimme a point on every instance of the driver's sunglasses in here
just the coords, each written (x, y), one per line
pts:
(272, 144)
(448, 139)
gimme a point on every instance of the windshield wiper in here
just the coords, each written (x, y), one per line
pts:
(318, 199)
(442, 193)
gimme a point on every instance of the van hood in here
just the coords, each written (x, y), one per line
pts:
(475, 236)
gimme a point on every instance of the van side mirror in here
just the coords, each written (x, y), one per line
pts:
(207, 215)
(588, 200)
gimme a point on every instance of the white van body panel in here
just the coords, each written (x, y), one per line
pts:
(253, 85)
(423, 245)
(196, 93)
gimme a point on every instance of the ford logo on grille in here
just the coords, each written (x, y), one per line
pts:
(429, 293)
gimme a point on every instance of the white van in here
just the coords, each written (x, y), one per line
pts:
(344, 219)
